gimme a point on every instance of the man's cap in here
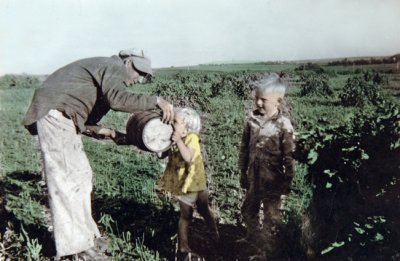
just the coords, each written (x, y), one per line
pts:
(139, 60)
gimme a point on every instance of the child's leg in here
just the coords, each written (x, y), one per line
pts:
(183, 227)
(272, 215)
(205, 211)
(250, 213)
(271, 223)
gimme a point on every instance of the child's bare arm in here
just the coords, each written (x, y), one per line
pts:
(186, 152)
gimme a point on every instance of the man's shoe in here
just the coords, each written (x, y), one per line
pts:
(93, 255)
(101, 244)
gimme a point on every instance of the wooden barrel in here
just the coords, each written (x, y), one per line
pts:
(146, 131)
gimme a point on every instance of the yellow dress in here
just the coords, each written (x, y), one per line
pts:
(180, 177)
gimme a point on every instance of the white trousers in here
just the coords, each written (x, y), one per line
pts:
(69, 182)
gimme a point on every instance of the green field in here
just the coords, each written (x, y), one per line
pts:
(346, 191)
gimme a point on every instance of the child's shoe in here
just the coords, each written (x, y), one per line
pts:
(259, 257)
(248, 239)
(92, 255)
(188, 256)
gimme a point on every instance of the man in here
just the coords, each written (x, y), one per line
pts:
(71, 101)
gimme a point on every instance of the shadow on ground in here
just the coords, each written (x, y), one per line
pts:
(156, 224)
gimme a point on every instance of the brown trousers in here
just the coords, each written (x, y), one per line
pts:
(263, 189)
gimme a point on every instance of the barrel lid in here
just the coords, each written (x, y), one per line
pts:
(156, 135)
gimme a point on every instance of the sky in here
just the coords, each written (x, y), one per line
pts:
(40, 36)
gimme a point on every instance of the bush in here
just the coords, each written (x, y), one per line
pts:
(359, 91)
(312, 84)
(19, 81)
(185, 90)
(380, 79)
(238, 85)
(375, 77)
(310, 67)
(342, 162)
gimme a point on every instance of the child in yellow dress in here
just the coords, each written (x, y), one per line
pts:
(184, 176)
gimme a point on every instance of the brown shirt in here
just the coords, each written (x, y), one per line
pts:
(85, 91)
(269, 146)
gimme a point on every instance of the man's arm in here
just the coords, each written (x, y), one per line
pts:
(120, 99)
(100, 132)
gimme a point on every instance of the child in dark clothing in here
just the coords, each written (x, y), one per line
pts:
(266, 161)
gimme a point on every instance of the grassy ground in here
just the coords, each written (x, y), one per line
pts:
(142, 226)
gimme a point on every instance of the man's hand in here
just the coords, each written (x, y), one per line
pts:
(107, 133)
(99, 132)
(167, 109)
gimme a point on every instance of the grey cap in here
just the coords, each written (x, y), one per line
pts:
(140, 62)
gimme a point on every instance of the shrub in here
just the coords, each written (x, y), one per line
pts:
(19, 81)
(314, 84)
(310, 67)
(339, 159)
(375, 77)
(359, 91)
(380, 79)
(185, 89)
(238, 84)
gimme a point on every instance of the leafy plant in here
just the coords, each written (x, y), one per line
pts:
(184, 92)
(358, 92)
(33, 247)
(312, 83)
(122, 246)
(234, 84)
(311, 67)
(19, 81)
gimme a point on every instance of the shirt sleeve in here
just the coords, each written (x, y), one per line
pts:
(193, 142)
(244, 150)
(288, 147)
(118, 97)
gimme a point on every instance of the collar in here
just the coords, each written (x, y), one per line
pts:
(255, 116)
